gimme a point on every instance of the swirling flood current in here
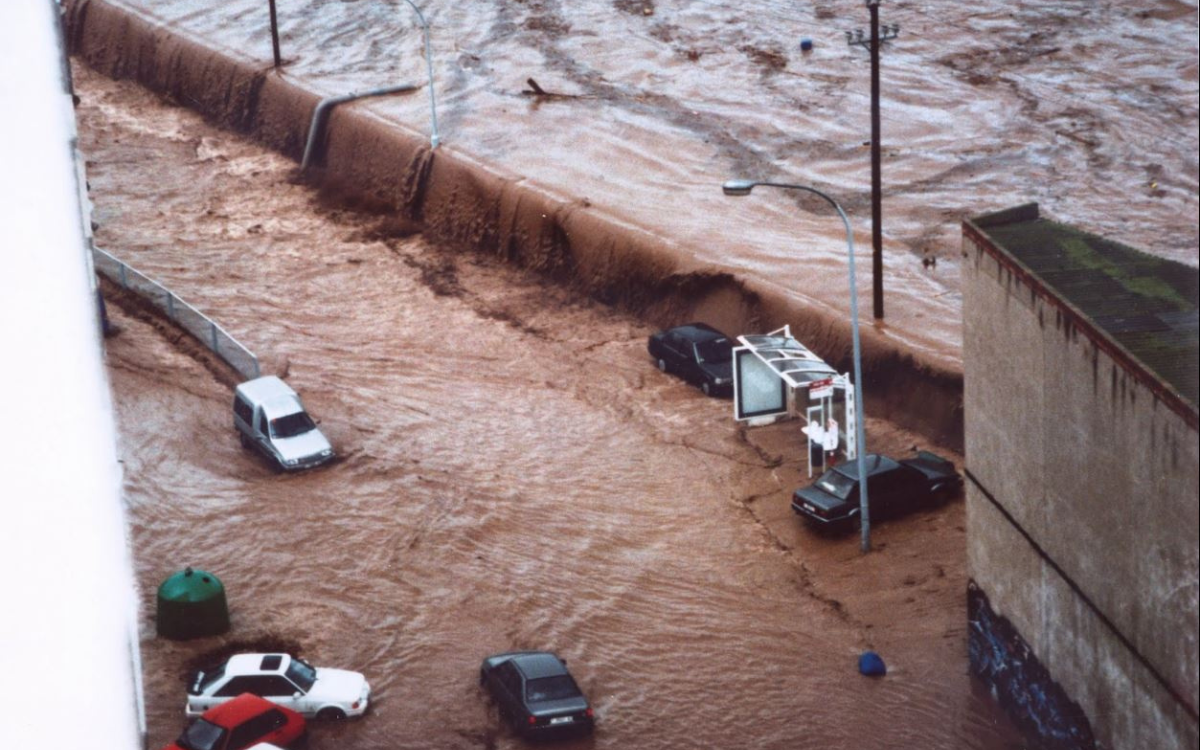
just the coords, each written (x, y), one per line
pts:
(514, 473)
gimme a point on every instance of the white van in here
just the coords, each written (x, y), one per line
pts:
(268, 416)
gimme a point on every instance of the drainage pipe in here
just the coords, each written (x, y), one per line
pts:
(321, 113)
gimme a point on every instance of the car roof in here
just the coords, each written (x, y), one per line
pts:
(539, 664)
(697, 332)
(875, 464)
(233, 712)
(281, 406)
(266, 389)
(250, 664)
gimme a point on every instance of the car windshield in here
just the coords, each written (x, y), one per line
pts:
(715, 351)
(291, 425)
(302, 674)
(836, 484)
(206, 679)
(551, 689)
(202, 735)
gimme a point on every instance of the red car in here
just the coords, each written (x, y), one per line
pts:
(240, 723)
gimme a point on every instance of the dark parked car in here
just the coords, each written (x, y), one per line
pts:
(893, 488)
(698, 353)
(536, 693)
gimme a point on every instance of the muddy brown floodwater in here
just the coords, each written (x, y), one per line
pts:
(514, 474)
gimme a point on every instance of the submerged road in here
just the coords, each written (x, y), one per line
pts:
(514, 474)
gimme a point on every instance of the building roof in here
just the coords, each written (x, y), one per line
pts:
(1145, 305)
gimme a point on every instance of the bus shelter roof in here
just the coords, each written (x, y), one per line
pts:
(787, 357)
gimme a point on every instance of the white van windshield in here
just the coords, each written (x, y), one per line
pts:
(292, 425)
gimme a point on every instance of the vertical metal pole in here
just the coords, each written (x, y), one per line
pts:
(876, 188)
(275, 34)
(434, 139)
(864, 505)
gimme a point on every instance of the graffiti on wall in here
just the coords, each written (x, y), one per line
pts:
(1036, 703)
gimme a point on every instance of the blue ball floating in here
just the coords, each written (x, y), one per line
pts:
(871, 664)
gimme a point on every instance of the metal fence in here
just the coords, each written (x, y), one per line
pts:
(181, 313)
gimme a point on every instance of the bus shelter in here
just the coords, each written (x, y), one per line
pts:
(775, 376)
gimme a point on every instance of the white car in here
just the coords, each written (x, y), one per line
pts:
(315, 692)
(269, 418)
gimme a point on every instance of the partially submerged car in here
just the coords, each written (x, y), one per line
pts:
(893, 488)
(536, 694)
(314, 692)
(698, 353)
(269, 417)
(240, 723)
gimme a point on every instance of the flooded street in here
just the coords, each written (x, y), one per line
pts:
(514, 473)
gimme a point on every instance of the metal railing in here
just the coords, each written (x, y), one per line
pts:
(203, 328)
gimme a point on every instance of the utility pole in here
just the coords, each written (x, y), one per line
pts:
(275, 34)
(873, 43)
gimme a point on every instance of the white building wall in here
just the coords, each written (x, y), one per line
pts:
(68, 631)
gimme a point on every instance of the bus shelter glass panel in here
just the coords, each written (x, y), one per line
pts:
(758, 389)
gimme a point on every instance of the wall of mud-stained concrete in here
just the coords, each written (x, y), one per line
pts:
(1083, 518)
(466, 204)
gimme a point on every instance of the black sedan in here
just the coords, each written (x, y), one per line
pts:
(536, 694)
(698, 353)
(893, 488)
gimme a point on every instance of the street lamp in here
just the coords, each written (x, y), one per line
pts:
(429, 66)
(743, 187)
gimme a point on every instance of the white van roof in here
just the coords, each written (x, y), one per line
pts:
(275, 396)
(267, 388)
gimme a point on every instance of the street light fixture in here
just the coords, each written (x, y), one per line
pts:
(743, 187)
(433, 138)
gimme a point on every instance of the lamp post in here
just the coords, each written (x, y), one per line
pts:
(743, 187)
(433, 138)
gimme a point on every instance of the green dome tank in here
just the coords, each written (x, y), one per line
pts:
(191, 604)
